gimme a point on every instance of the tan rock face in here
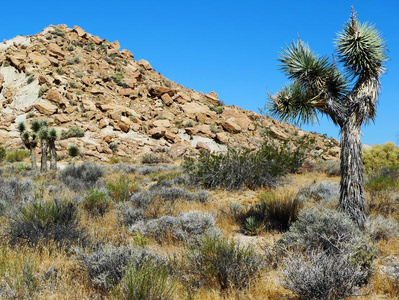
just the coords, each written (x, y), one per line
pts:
(88, 105)
(195, 108)
(79, 31)
(46, 107)
(62, 118)
(179, 149)
(202, 146)
(231, 126)
(54, 48)
(54, 96)
(124, 124)
(145, 64)
(1, 81)
(166, 99)
(39, 59)
(157, 132)
(103, 123)
(162, 123)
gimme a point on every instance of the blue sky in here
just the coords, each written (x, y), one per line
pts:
(230, 47)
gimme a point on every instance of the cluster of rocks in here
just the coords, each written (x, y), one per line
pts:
(74, 79)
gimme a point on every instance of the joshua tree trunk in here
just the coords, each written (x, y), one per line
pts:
(352, 197)
(33, 158)
(43, 166)
(53, 156)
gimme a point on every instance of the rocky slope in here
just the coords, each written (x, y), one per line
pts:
(74, 79)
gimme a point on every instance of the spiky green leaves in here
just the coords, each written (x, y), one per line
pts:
(293, 103)
(52, 134)
(35, 126)
(300, 64)
(361, 49)
(21, 127)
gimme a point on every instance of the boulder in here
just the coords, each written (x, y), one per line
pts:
(16, 59)
(115, 46)
(231, 126)
(194, 108)
(181, 98)
(124, 124)
(222, 137)
(79, 31)
(62, 118)
(95, 39)
(39, 59)
(45, 107)
(157, 132)
(145, 64)
(161, 123)
(158, 91)
(126, 92)
(54, 48)
(179, 149)
(202, 146)
(1, 81)
(103, 123)
(88, 105)
(55, 96)
(166, 99)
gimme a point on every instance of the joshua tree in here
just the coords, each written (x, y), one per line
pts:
(52, 136)
(30, 140)
(349, 98)
(43, 135)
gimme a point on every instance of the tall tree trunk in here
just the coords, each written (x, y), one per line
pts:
(33, 158)
(43, 166)
(53, 156)
(352, 197)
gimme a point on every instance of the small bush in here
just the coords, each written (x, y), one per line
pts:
(96, 202)
(14, 191)
(16, 155)
(325, 192)
(148, 281)
(72, 132)
(122, 188)
(331, 231)
(46, 220)
(3, 153)
(273, 212)
(74, 60)
(235, 170)
(331, 167)
(73, 151)
(318, 275)
(380, 156)
(79, 74)
(81, 177)
(43, 89)
(187, 227)
(60, 71)
(153, 158)
(106, 265)
(218, 262)
(73, 85)
(381, 228)
(217, 109)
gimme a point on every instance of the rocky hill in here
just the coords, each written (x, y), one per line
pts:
(74, 79)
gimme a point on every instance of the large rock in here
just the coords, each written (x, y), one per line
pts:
(88, 105)
(45, 107)
(79, 31)
(1, 81)
(157, 132)
(231, 126)
(124, 124)
(194, 108)
(16, 59)
(62, 118)
(157, 90)
(166, 99)
(179, 149)
(54, 48)
(161, 123)
(39, 59)
(55, 96)
(145, 64)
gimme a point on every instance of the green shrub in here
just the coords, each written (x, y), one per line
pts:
(96, 202)
(148, 281)
(79, 74)
(72, 132)
(235, 169)
(70, 48)
(153, 158)
(16, 155)
(58, 32)
(6, 63)
(46, 220)
(43, 89)
(274, 212)
(217, 109)
(121, 188)
(73, 85)
(74, 60)
(380, 156)
(3, 153)
(73, 151)
(60, 71)
(386, 179)
(222, 263)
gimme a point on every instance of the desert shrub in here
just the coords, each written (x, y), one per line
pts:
(385, 179)
(130, 215)
(81, 177)
(330, 231)
(96, 202)
(105, 266)
(154, 158)
(16, 155)
(381, 228)
(3, 153)
(46, 220)
(380, 156)
(217, 109)
(222, 263)
(14, 191)
(121, 188)
(235, 169)
(73, 151)
(43, 89)
(74, 60)
(73, 85)
(273, 212)
(324, 191)
(72, 132)
(330, 167)
(79, 74)
(148, 281)
(319, 275)
(187, 227)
